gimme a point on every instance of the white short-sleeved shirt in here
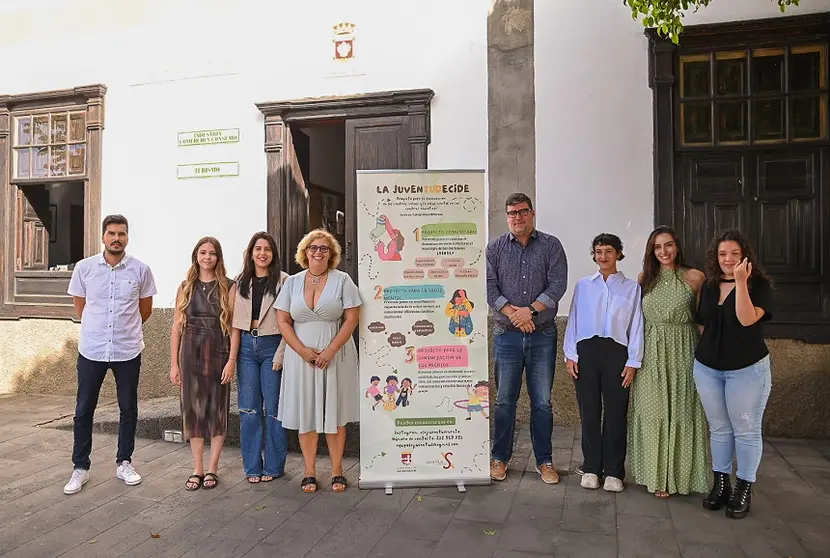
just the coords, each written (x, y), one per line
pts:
(111, 323)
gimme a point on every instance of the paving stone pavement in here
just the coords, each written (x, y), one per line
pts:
(520, 517)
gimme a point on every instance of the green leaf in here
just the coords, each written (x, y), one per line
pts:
(665, 15)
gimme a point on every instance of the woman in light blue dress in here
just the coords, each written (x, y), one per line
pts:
(317, 312)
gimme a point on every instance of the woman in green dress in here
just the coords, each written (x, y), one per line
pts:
(667, 427)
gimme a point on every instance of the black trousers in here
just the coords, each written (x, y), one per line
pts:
(91, 374)
(599, 388)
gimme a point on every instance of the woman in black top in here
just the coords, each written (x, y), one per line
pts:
(264, 443)
(732, 367)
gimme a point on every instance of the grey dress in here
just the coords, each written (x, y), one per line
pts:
(314, 399)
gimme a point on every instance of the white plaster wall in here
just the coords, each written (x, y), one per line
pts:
(594, 140)
(203, 64)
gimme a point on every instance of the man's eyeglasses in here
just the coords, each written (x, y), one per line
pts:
(513, 213)
(314, 247)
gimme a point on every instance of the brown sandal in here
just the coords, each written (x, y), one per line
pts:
(193, 479)
(210, 477)
(311, 482)
(339, 479)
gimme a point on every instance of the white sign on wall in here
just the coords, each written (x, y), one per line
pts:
(208, 137)
(207, 170)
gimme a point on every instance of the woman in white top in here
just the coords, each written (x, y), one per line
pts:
(604, 348)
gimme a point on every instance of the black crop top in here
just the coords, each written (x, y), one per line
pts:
(259, 284)
(726, 344)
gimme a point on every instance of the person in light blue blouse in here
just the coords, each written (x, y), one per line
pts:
(603, 349)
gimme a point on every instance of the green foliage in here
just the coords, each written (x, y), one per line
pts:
(665, 15)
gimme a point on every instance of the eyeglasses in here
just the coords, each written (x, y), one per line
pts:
(314, 247)
(516, 212)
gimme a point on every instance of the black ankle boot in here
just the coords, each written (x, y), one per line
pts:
(720, 494)
(739, 504)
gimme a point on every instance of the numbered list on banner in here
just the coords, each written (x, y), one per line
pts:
(423, 339)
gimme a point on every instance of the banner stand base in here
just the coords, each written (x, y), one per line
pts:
(389, 486)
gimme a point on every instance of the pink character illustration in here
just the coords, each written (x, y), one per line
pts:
(391, 251)
(374, 391)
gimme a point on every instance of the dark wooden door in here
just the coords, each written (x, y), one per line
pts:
(787, 210)
(76, 233)
(295, 223)
(380, 143)
(33, 207)
(712, 198)
(775, 198)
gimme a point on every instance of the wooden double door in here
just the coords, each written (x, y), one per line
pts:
(780, 199)
(385, 131)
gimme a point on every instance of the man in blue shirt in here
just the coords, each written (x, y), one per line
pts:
(527, 274)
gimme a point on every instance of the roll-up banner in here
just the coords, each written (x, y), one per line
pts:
(424, 401)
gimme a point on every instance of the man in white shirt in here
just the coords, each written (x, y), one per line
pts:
(603, 349)
(113, 296)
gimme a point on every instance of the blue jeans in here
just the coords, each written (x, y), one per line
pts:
(91, 374)
(734, 402)
(535, 353)
(259, 387)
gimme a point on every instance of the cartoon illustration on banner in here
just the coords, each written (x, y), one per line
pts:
(423, 356)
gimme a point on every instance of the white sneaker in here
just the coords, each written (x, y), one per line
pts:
(613, 484)
(126, 473)
(76, 482)
(589, 480)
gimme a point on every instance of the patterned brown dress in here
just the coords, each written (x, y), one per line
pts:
(203, 354)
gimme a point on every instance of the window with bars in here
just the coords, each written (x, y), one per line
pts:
(753, 97)
(50, 145)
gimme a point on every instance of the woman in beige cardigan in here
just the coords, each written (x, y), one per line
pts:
(259, 368)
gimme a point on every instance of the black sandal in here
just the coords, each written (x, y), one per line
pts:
(209, 477)
(339, 479)
(197, 482)
(309, 481)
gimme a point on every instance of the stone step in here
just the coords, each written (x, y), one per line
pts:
(163, 413)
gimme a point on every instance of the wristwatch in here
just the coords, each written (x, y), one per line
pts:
(533, 312)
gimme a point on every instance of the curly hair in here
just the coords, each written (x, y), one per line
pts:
(221, 282)
(336, 253)
(712, 268)
(651, 267)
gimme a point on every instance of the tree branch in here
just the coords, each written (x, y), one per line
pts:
(666, 15)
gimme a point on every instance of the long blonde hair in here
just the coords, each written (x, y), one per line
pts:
(221, 281)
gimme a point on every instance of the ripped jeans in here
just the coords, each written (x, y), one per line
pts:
(734, 403)
(259, 395)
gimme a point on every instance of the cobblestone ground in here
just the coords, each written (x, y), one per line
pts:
(520, 517)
